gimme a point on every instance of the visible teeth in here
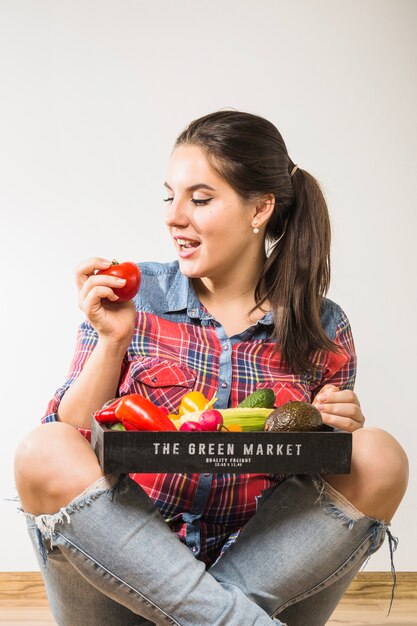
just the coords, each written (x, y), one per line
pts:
(185, 243)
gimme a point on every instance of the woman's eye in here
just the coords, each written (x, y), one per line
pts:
(200, 202)
(197, 202)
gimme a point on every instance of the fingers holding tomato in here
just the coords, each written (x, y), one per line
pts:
(105, 297)
(94, 291)
(88, 267)
(127, 272)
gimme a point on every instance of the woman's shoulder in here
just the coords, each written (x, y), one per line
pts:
(333, 318)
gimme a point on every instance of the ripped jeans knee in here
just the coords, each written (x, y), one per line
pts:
(337, 505)
(43, 525)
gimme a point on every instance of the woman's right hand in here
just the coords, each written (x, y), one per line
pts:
(114, 321)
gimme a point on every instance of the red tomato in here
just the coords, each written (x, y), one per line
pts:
(131, 273)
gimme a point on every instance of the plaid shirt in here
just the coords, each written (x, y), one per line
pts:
(177, 347)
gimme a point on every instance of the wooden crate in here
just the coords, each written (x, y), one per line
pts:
(327, 452)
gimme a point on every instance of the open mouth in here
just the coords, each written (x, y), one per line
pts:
(186, 244)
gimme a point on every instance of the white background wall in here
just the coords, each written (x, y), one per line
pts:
(93, 94)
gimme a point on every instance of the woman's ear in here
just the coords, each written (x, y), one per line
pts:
(263, 210)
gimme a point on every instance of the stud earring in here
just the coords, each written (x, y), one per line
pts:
(255, 230)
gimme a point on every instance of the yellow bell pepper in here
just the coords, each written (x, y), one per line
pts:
(194, 401)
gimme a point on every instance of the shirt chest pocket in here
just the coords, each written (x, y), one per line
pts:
(163, 381)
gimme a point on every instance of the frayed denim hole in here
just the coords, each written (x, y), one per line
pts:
(14, 499)
(334, 509)
(380, 528)
(41, 546)
(393, 545)
(32, 527)
(378, 531)
(46, 522)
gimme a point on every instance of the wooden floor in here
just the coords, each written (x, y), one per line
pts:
(351, 612)
(365, 603)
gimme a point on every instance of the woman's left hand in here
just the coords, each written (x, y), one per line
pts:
(340, 409)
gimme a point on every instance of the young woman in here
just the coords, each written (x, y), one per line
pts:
(242, 308)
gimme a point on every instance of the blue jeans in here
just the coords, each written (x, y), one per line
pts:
(110, 558)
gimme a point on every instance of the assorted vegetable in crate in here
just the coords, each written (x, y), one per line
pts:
(107, 414)
(140, 413)
(195, 413)
(208, 441)
(209, 420)
(261, 398)
(251, 419)
(249, 415)
(134, 412)
(195, 401)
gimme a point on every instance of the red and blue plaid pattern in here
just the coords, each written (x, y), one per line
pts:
(166, 360)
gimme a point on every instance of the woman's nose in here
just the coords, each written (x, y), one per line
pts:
(176, 214)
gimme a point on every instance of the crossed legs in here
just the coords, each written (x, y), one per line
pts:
(278, 561)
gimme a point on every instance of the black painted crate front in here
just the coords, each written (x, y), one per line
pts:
(326, 452)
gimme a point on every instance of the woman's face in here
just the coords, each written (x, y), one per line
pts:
(209, 222)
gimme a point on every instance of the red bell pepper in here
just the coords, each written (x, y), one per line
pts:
(142, 414)
(128, 426)
(107, 414)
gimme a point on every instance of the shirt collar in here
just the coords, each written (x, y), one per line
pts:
(182, 295)
(267, 319)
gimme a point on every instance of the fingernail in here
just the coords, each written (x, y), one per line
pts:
(120, 281)
(320, 407)
(321, 397)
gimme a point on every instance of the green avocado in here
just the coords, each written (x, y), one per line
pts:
(261, 398)
(294, 416)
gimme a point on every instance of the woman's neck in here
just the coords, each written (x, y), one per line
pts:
(236, 285)
(230, 302)
(224, 294)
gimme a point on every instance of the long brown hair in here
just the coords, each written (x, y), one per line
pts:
(249, 152)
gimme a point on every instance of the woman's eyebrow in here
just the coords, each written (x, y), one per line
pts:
(194, 187)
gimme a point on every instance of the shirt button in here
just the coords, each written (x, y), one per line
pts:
(224, 385)
(225, 347)
(206, 474)
(194, 549)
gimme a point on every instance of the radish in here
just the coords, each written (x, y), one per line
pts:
(211, 420)
(190, 427)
